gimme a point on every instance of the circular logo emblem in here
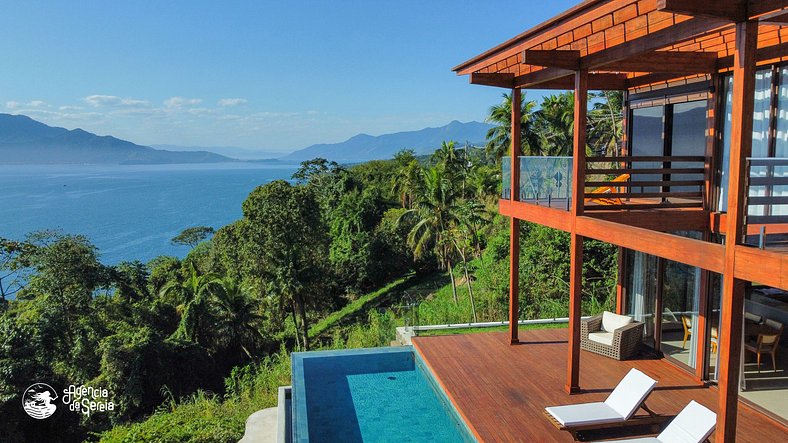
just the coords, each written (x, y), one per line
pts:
(38, 400)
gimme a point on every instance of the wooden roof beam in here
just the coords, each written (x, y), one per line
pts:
(731, 10)
(765, 9)
(780, 19)
(533, 79)
(500, 80)
(596, 82)
(555, 58)
(666, 61)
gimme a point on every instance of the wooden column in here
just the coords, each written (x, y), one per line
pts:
(514, 227)
(733, 288)
(576, 253)
(620, 281)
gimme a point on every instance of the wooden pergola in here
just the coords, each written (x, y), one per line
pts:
(629, 44)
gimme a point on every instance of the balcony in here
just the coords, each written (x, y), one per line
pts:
(612, 183)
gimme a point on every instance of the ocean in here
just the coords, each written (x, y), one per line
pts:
(128, 212)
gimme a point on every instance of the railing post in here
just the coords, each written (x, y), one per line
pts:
(576, 248)
(514, 225)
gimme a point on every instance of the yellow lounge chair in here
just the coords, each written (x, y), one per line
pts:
(608, 190)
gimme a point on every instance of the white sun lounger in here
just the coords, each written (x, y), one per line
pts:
(617, 409)
(694, 424)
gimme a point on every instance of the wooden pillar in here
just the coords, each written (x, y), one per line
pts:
(576, 253)
(620, 281)
(514, 226)
(733, 288)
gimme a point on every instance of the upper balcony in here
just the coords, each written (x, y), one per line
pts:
(611, 183)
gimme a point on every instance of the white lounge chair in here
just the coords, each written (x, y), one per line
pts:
(694, 424)
(616, 410)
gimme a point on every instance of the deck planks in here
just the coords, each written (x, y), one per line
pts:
(501, 390)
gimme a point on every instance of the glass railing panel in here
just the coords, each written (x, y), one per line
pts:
(506, 178)
(546, 181)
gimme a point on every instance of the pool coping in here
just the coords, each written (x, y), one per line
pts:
(300, 431)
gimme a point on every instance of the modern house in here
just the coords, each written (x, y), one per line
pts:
(695, 196)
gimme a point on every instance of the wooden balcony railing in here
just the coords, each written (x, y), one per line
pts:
(640, 182)
(611, 182)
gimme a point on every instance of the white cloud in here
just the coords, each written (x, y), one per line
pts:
(31, 104)
(113, 100)
(179, 102)
(232, 102)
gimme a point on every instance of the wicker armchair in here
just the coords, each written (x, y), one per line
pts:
(626, 340)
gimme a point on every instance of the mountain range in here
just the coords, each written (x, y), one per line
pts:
(27, 141)
(365, 147)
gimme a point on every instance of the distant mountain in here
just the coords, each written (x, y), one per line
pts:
(27, 141)
(230, 151)
(365, 147)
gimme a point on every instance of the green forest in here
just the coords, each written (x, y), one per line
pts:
(335, 258)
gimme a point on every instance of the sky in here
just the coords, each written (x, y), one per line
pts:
(265, 75)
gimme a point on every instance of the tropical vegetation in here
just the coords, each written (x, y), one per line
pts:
(336, 257)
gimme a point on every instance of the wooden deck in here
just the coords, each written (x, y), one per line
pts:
(501, 390)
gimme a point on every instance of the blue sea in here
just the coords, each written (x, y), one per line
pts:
(128, 212)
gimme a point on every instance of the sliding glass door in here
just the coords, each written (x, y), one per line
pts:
(642, 291)
(680, 312)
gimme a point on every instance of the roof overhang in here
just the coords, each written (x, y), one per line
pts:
(629, 43)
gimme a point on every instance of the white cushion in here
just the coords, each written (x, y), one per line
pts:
(611, 321)
(635, 440)
(605, 338)
(694, 424)
(584, 414)
(631, 391)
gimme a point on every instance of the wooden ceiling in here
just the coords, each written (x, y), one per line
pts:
(629, 43)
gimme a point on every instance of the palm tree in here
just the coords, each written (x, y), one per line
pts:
(465, 236)
(555, 124)
(499, 136)
(192, 299)
(435, 212)
(407, 178)
(604, 123)
(237, 316)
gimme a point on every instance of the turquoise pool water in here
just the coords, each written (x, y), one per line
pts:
(370, 395)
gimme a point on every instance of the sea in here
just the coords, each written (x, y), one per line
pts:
(129, 212)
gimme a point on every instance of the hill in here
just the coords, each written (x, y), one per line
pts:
(27, 141)
(365, 147)
(229, 151)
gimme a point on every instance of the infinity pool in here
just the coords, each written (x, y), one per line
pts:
(370, 395)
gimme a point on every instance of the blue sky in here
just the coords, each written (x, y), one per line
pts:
(269, 75)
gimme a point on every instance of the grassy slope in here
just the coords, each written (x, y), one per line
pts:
(359, 308)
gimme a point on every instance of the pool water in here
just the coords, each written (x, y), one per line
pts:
(370, 395)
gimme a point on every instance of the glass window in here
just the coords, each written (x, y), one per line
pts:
(688, 138)
(647, 131)
(760, 131)
(725, 164)
(781, 142)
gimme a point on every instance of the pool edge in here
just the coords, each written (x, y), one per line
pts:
(446, 394)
